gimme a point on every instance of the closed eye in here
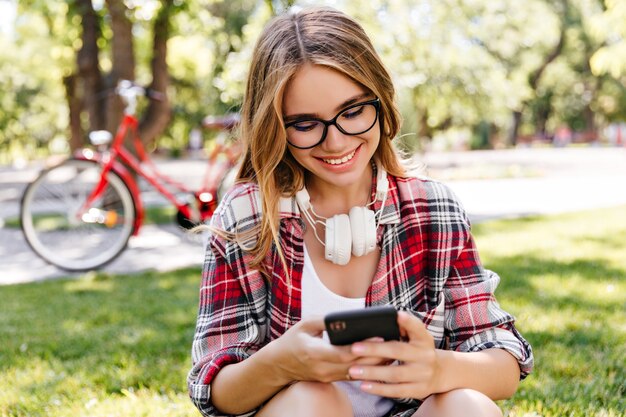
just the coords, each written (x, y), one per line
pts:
(353, 112)
(304, 126)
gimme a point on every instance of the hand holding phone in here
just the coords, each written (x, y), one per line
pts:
(347, 327)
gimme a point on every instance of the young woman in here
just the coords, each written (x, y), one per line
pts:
(325, 218)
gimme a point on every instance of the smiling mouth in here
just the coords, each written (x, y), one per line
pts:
(340, 161)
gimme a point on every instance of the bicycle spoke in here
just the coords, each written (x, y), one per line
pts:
(63, 231)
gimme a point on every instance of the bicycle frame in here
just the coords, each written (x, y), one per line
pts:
(110, 160)
(117, 167)
(102, 183)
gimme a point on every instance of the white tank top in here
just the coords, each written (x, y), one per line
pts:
(318, 300)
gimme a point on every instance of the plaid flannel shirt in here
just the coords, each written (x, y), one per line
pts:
(428, 266)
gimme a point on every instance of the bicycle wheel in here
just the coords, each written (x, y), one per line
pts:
(74, 241)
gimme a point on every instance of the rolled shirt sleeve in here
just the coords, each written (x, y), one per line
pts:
(473, 319)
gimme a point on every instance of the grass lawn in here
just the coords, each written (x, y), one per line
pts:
(119, 345)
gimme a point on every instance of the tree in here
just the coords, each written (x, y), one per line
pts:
(87, 84)
(609, 60)
(33, 58)
(487, 66)
(575, 91)
(534, 77)
(461, 62)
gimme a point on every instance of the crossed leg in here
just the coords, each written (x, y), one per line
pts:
(308, 399)
(314, 399)
(459, 402)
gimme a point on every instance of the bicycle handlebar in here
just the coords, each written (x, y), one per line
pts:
(129, 91)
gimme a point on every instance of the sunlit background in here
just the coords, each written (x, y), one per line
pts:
(471, 74)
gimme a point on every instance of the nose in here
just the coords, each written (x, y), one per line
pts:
(335, 140)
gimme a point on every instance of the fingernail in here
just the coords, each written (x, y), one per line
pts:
(366, 386)
(358, 348)
(355, 372)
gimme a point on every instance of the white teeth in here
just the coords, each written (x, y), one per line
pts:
(340, 161)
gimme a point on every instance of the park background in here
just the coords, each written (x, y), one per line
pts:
(470, 74)
(489, 75)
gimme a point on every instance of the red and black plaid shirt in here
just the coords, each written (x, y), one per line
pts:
(428, 266)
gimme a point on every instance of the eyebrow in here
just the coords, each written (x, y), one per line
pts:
(348, 102)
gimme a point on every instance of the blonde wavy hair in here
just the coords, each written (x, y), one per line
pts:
(319, 36)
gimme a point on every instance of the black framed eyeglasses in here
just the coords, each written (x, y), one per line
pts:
(355, 119)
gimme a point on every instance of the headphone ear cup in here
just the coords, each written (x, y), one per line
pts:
(338, 239)
(363, 229)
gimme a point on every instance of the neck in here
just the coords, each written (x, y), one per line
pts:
(329, 199)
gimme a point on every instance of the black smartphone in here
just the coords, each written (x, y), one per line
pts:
(346, 327)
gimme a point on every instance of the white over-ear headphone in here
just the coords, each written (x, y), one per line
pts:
(354, 232)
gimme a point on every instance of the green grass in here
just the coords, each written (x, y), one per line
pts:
(160, 214)
(108, 345)
(98, 346)
(564, 278)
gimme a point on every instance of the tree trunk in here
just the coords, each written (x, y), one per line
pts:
(157, 116)
(84, 86)
(534, 77)
(75, 106)
(517, 121)
(590, 120)
(123, 59)
(89, 66)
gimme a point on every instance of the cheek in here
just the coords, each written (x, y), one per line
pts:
(300, 155)
(373, 136)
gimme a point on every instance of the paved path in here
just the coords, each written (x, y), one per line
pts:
(556, 181)
(157, 247)
(550, 181)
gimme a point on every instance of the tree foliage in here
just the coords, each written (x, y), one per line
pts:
(495, 69)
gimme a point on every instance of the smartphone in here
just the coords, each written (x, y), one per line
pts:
(346, 327)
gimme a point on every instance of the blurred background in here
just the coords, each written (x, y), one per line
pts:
(471, 74)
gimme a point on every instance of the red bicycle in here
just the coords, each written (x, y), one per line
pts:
(80, 214)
